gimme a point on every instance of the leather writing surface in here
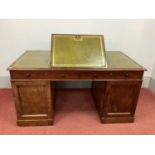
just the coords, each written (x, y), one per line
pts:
(78, 51)
(41, 60)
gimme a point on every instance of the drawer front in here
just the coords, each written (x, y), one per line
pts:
(112, 75)
(57, 75)
(64, 75)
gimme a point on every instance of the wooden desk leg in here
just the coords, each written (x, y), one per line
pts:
(116, 101)
(33, 102)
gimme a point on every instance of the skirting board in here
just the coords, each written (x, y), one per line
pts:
(5, 83)
(152, 85)
(146, 81)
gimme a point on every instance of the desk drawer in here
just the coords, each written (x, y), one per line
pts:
(57, 75)
(64, 75)
(112, 75)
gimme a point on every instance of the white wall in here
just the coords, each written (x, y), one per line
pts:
(134, 37)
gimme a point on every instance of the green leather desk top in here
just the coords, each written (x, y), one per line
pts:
(78, 51)
(40, 60)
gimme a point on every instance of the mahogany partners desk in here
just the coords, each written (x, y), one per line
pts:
(115, 89)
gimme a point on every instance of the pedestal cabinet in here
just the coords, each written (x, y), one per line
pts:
(33, 101)
(116, 101)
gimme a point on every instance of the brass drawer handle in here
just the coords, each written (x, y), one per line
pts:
(28, 75)
(62, 75)
(111, 74)
(94, 75)
(126, 75)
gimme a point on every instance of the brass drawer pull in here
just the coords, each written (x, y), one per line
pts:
(126, 75)
(94, 75)
(62, 75)
(111, 73)
(28, 75)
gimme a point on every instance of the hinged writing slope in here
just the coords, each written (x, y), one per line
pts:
(78, 51)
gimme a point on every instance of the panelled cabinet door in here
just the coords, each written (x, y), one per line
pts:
(33, 102)
(120, 101)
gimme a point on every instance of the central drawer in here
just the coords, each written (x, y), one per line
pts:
(65, 75)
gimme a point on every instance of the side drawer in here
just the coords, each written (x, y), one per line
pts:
(111, 75)
(57, 75)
